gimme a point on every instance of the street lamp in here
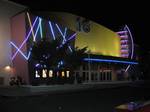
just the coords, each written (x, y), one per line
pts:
(5, 72)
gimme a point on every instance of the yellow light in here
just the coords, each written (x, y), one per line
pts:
(68, 73)
(50, 73)
(31, 26)
(36, 74)
(63, 73)
(44, 73)
(7, 68)
(103, 41)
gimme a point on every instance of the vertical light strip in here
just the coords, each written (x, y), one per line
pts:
(29, 54)
(51, 28)
(30, 25)
(25, 39)
(37, 30)
(131, 41)
(132, 52)
(64, 37)
(41, 27)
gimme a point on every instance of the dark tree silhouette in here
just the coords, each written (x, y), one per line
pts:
(50, 53)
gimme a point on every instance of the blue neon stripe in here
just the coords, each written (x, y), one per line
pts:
(50, 24)
(41, 27)
(112, 61)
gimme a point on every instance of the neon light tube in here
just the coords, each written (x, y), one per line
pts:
(40, 19)
(19, 50)
(63, 35)
(26, 57)
(29, 54)
(25, 39)
(30, 24)
(50, 24)
(72, 37)
(70, 48)
(37, 31)
(61, 31)
(106, 60)
(123, 36)
(122, 32)
(132, 46)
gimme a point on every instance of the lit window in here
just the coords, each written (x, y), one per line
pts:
(67, 73)
(63, 73)
(44, 73)
(50, 73)
(36, 74)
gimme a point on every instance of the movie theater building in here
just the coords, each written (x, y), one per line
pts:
(110, 54)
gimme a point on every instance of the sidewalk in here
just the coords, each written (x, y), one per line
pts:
(28, 90)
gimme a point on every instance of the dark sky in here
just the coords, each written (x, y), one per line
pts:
(110, 14)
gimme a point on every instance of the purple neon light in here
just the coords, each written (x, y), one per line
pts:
(72, 37)
(122, 32)
(25, 38)
(50, 24)
(125, 54)
(37, 30)
(124, 46)
(131, 41)
(18, 50)
(61, 31)
(124, 50)
(63, 35)
(123, 36)
(26, 57)
(124, 40)
(132, 45)
(37, 65)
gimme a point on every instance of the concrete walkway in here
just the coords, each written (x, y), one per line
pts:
(28, 90)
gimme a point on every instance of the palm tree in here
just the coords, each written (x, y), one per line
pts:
(51, 53)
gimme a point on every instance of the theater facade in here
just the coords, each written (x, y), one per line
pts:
(110, 54)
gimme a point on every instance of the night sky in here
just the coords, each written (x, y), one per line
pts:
(110, 14)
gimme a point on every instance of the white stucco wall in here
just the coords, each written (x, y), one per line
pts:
(7, 10)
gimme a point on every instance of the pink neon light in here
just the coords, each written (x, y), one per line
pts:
(124, 40)
(122, 32)
(124, 49)
(124, 46)
(123, 36)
